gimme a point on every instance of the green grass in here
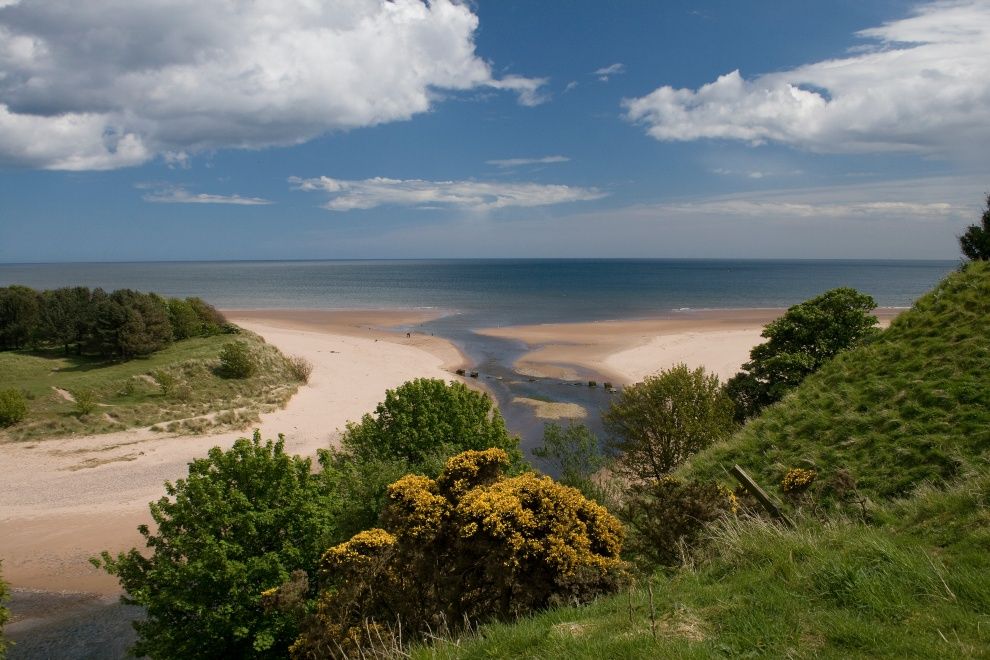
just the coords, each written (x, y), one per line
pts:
(128, 395)
(910, 407)
(908, 587)
(909, 417)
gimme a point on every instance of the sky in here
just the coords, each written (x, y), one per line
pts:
(300, 129)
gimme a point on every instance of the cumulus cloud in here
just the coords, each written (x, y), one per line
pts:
(179, 195)
(104, 84)
(517, 162)
(606, 72)
(471, 195)
(921, 85)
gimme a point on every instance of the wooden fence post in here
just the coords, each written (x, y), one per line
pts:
(760, 494)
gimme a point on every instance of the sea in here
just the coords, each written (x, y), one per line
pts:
(472, 294)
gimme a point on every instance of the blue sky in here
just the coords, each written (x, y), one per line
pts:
(177, 129)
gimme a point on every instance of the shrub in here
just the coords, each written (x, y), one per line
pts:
(470, 545)
(300, 368)
(13, 408)
(236, 360)
(239, 524)
(4, 614)
(85, 402)
(425, 417)
(975, 243)
(578, 453)
(656, 424)
(797, 480)
(166, 381)
(665, 517)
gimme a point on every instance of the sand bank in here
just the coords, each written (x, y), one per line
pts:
(627, 351)
(66, 499)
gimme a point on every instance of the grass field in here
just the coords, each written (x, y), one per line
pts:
(129, 394)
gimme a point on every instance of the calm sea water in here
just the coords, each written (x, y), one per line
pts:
(481, 293)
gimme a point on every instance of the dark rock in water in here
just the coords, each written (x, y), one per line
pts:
(55, 625)
(474, 374)
(460, 372)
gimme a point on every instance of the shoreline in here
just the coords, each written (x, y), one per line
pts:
(54, 515)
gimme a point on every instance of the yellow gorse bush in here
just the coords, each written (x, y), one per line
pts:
(470, 545)
(797, 480)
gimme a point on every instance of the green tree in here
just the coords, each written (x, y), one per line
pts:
(656, 424)
(64, 315)
(427, 417)
(975, 243)
(236, 360)
(20, 316)
(798, 343)
(239, 524)
(184, 319)
(578, 453)
(213, 321)
(13, 408)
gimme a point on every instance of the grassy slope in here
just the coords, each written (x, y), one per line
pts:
(915, 582)
(911, 406)
(129, 397)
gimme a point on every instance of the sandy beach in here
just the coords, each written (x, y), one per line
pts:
(55, 514)
(66, 499)
(626, 351)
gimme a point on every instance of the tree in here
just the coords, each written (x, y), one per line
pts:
(656, 424)
(240, 523)
(798, 343)
(975, 243)
(578, 453)
(427, 417)
(4, 615)
(184, 319)
(20, 316)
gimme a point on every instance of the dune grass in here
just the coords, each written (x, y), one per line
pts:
(128, 394)
(911, 406)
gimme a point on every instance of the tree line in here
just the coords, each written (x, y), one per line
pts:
(121, 324)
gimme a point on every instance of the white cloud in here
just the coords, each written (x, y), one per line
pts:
(516, 162)
(179, 195)
(611, 70)
(470, 195)
(104, 84)
(921, 87)
(571, 85)
(755, 174)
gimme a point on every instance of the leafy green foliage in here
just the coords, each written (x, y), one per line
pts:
(239, 524)
(664, 518)
(975, 243)
(13, 407)
(579, 455)
(905, 408)
(236, 360)
(4, 615)
(427, 417)
(656, 424)
(122, 324)
(798, 343)
(469, 546)
(86, 402)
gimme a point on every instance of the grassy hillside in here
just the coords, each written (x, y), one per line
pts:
(911, 406)
(909, 417)
(128, 395)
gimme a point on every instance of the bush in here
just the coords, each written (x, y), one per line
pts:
(798, 344)
(427, 417)
(86, 402)
(166, 381)
(471, 545)
(239, 524)
(236, 360)
(578, 453)
(300, 368)
(4, 614)
(665, 517)
(13, 408)
(656, 424)
(975, 243)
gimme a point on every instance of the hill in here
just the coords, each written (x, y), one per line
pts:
(907, 416)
